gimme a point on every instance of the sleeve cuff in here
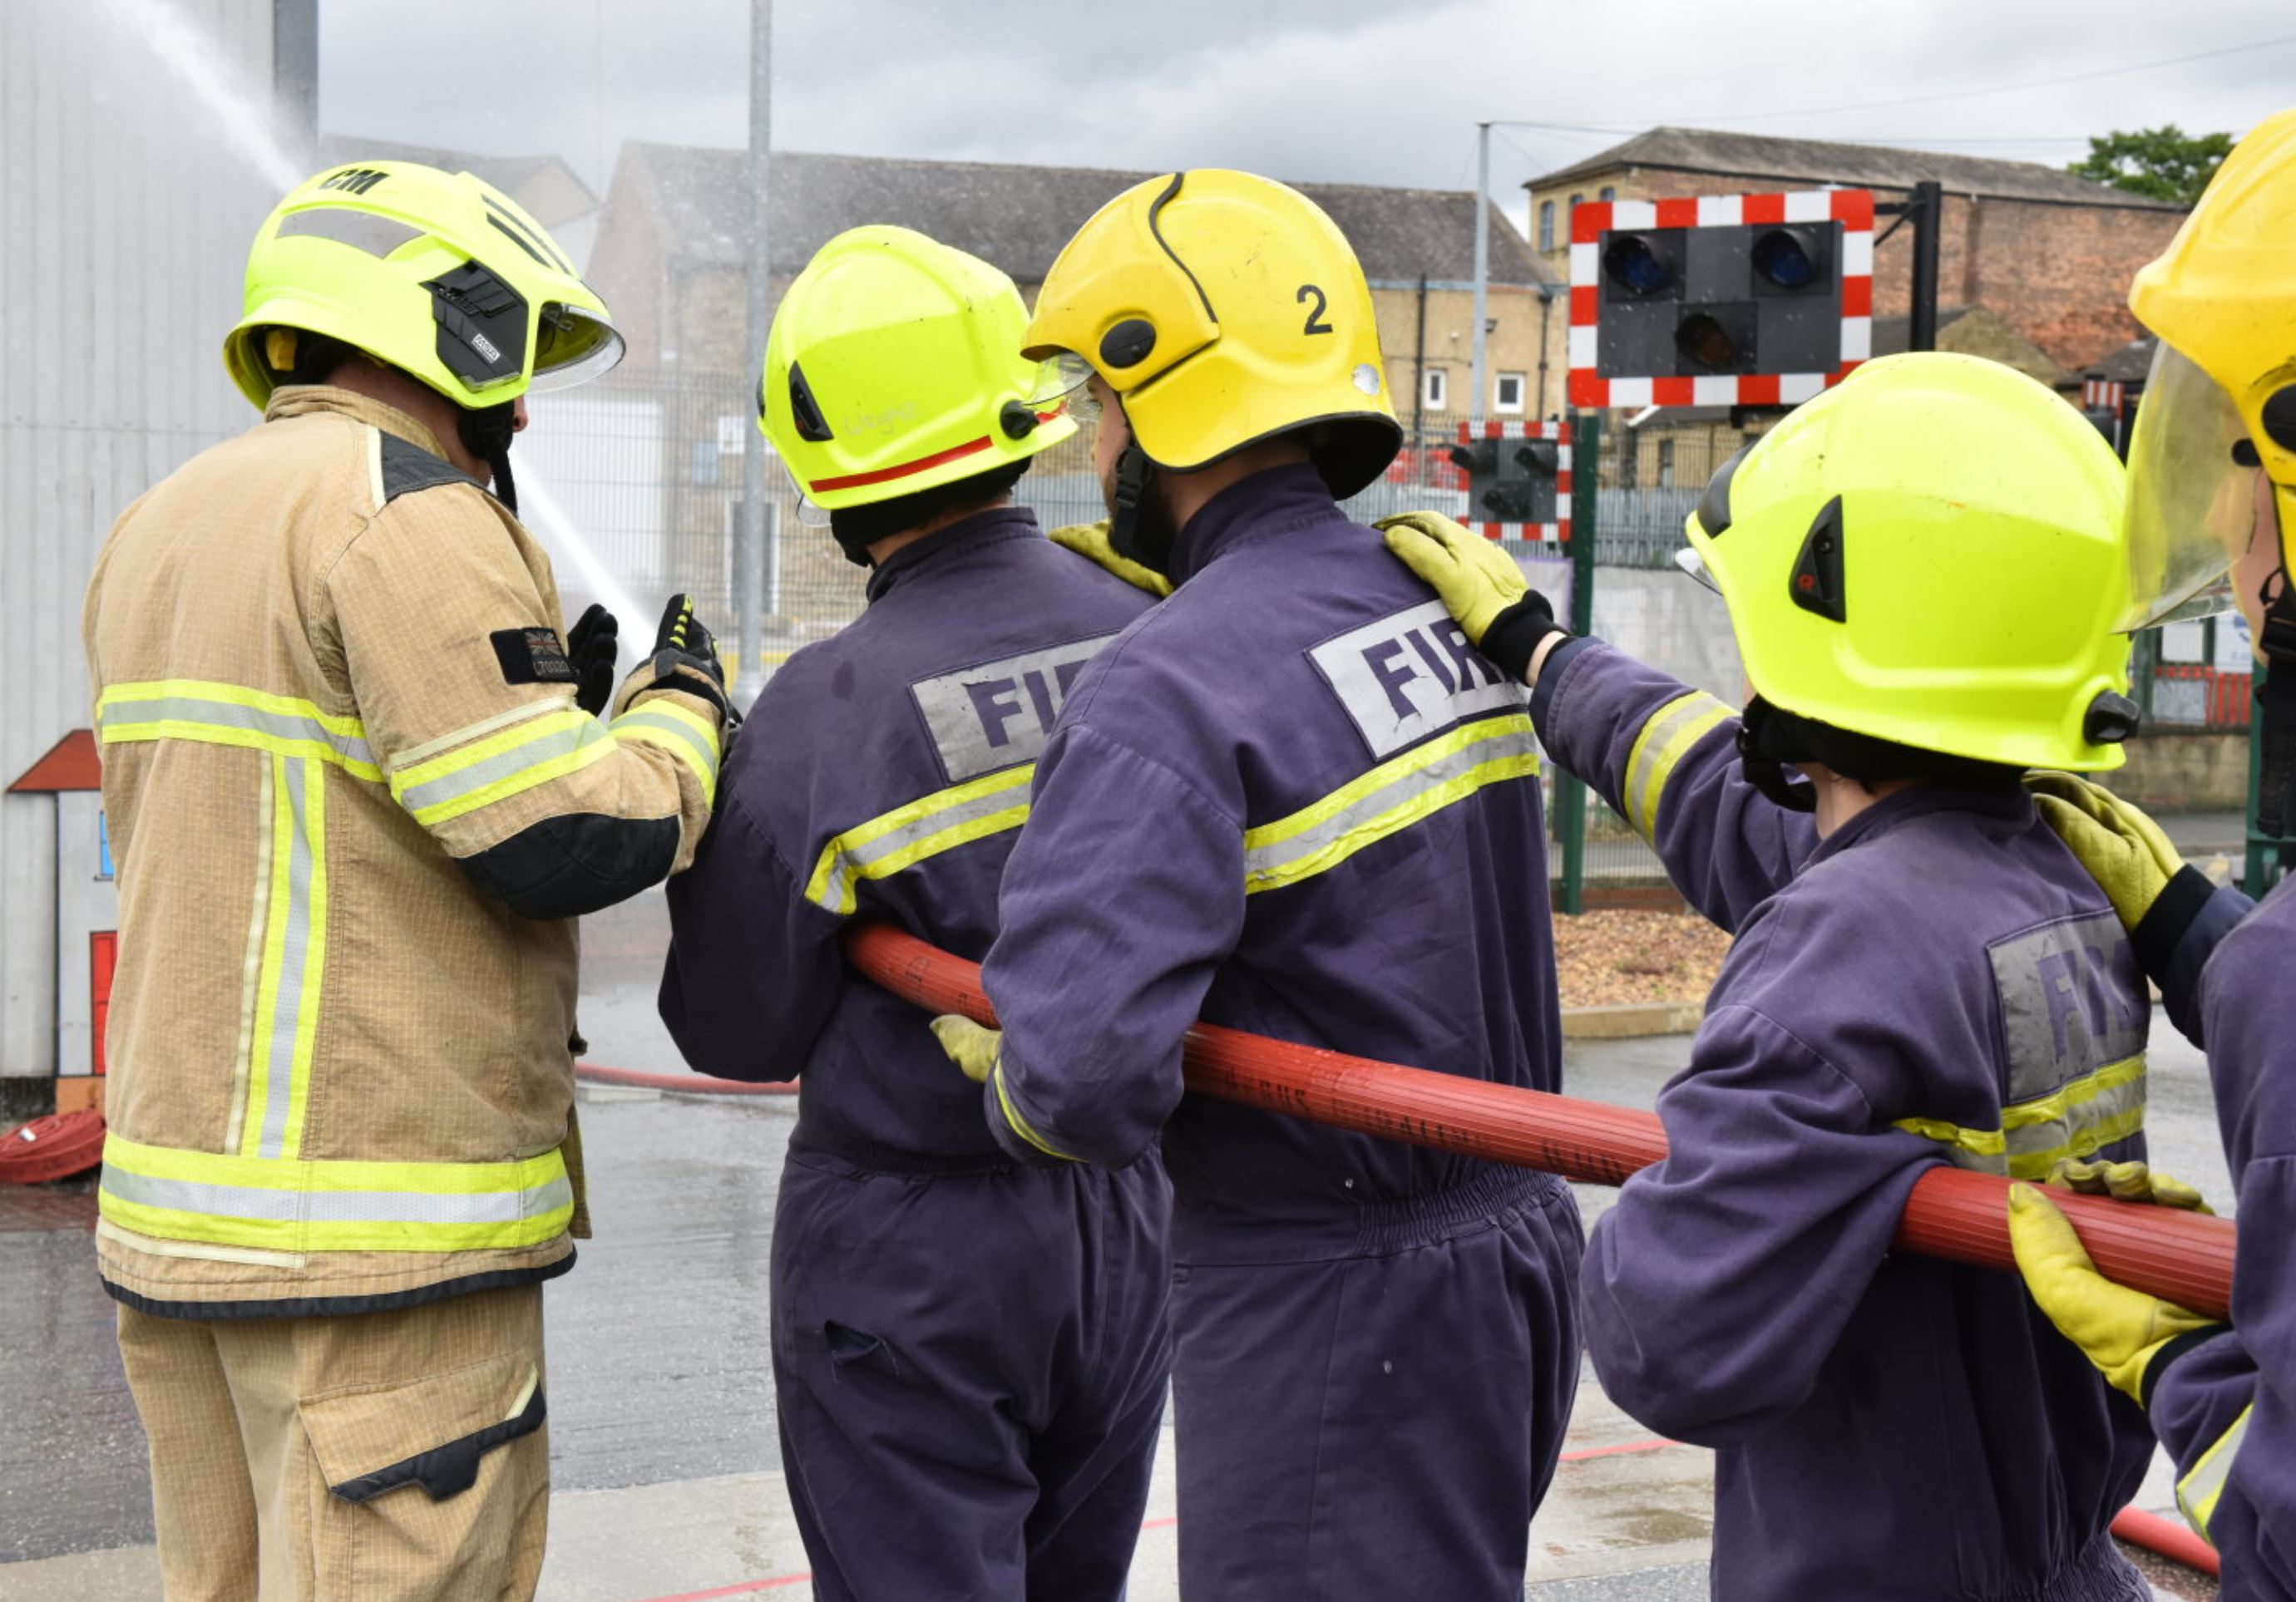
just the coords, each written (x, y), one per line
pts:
(1551, 675)
(1021, 1140)
(2163, 928)
(2169, 1352)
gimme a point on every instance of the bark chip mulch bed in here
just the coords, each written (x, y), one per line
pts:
(1619, 958)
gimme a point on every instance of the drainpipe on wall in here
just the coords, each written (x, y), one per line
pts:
(1419, 372)
(1546, 316)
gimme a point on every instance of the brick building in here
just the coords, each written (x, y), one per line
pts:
(651, 462)
(2041, 256)
(671, 259)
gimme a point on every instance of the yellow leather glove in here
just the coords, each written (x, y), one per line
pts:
(970, 1047)
(1476, 579)
(2126, 1181)
(1479, 584)
(1090, 542)
(2121, 1330)
(2122, 848)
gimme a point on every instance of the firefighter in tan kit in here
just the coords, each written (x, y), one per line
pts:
(360, 789)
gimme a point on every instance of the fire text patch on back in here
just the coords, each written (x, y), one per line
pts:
(1409, 676)
(991, 716)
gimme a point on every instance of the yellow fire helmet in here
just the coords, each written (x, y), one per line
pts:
(894, 366)
(1225, 308)
(438, 275)
(2219, 415)
(1930, 554)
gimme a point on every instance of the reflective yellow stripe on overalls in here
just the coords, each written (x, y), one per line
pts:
(260, 1194)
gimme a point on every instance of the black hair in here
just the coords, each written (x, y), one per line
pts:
(859, 528)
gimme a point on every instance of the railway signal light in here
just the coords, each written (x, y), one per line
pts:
(1477, 458)
(1518, 479)
(1792, 261)
(1719, 300)
(1642, 264)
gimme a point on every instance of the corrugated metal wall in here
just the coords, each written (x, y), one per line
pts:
(124, 224)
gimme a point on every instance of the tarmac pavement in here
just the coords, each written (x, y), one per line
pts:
(664, 1456)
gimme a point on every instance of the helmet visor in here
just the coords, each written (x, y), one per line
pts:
(810, 513)
(572, 345)
(1694, 565)
(2192, 495)
(1058, 375)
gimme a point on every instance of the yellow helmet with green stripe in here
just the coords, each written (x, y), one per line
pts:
(894, 366)
(1931, 554)
(438, 275)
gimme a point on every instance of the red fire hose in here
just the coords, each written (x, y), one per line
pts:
(1952, 1213)
(2168, 1538)
(683, 1084)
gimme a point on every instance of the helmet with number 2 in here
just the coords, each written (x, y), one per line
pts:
(1224, 309)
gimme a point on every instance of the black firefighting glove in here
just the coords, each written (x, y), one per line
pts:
(592, 645)
(685, 657)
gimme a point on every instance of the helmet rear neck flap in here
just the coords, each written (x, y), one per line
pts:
(1772, 742)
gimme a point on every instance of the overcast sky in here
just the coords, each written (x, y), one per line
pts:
(1333, 90)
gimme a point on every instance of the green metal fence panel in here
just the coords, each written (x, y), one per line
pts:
(1585, 533)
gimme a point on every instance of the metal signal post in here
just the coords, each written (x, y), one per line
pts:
(750, 560)
(1924, 209)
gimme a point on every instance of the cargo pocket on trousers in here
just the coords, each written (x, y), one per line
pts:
(852, 1349)
(429, 1492)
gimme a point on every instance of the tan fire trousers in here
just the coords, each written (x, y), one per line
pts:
(363, 1458)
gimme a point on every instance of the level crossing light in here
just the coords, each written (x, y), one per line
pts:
(1510, 481)
(1640, 266)
(1791, 260)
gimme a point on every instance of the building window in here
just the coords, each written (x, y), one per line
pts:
(1665, 464)
(1547, 224)
(1507, 393)
(1607, 193)
(1434, 389)
(1575, 200)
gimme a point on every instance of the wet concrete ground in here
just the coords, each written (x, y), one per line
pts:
(661, 1399)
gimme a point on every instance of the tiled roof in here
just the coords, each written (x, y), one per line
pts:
(1766, 158)
(1017, 217)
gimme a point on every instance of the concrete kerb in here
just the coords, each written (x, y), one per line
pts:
(1632, 1022)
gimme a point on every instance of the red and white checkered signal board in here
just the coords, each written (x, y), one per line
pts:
(1853, 209)
(1558, 530)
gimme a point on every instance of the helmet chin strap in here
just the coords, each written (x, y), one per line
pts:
(2275, 786)
(1763, 753)
(486, 432)
(1136, 529)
